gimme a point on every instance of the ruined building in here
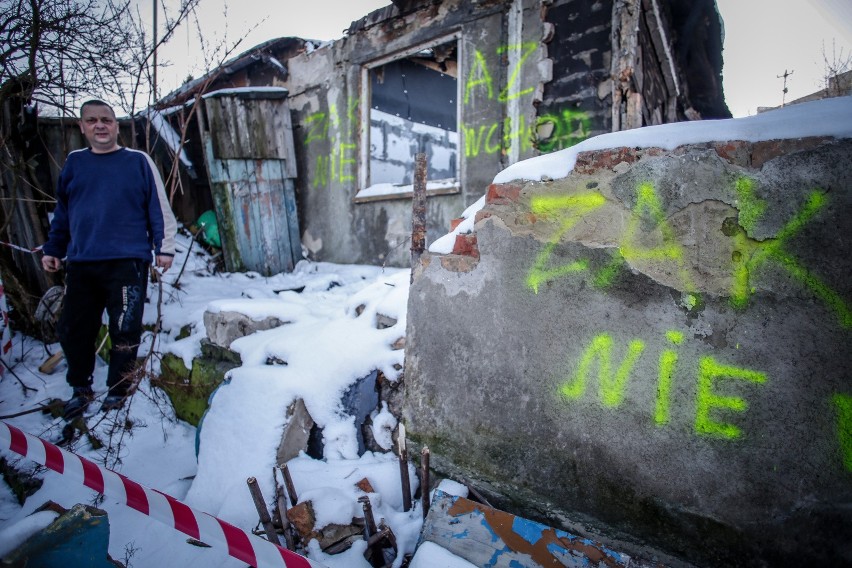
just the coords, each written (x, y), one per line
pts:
(476, 85)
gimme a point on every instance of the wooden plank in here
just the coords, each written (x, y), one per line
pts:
(485, 536)
(253, 191)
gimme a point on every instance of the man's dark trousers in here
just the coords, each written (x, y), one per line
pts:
(119, 286)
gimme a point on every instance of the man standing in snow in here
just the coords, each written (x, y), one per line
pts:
(111, 212)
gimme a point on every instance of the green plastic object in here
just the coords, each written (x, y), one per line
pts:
(209, 227)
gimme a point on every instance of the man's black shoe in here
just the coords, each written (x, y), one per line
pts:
(112, 402)
(78, 402)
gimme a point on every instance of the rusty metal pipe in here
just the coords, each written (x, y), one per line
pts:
(288, 482)
(403, 470)
(424, 479)
(418, 212)
(262, 511)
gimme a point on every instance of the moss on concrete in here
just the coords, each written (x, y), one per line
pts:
(190, 389)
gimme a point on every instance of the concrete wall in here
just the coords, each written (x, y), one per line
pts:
(532, 76)
(654, 349)
(498, 71)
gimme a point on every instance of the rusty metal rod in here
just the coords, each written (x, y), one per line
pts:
(262, 511)
(389, 536)
(403, 470)
(288, 481)
(281, 504)
(479, 496)
(418, 212)
(424, 479)
(369, 520)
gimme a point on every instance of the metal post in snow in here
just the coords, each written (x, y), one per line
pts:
(403, 470)
(262, 512)
(424, 479)
(418, 212)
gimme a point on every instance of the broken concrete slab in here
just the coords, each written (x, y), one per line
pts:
(226, 326)
(297, 431)
(653, 348)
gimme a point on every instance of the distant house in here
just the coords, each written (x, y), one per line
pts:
(476, 85)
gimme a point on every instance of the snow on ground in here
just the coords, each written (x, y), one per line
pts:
(327, 346)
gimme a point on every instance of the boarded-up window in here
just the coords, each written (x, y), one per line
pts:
(413, 108)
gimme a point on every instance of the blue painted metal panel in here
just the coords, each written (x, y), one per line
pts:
(79, 538)
(491, 538)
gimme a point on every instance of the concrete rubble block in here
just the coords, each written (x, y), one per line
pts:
(332, 538)
(661, 354)
(297, 431)
(189, 389)
(224, 327)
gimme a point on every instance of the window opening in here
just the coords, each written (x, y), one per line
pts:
(413, 108)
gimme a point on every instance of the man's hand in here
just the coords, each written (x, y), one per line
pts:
(50, 263)
(164, 261)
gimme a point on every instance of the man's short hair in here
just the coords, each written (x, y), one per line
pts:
(95, 102)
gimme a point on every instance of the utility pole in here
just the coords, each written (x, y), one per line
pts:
(154, 47)
(784, 92)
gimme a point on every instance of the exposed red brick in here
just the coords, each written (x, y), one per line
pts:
(737, 152)
(365, 486)
(594, 160)
(302, 517)
(455, 223)
(455, 263)
(465, 245)
(769, 149)
(503, 193)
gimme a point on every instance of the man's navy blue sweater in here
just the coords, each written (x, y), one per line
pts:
(110, 206)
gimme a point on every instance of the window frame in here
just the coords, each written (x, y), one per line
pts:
(406, 191)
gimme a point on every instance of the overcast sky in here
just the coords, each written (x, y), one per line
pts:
(763, 39)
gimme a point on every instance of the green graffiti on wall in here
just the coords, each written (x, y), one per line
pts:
(613, 383)
(751, 255)
(558, 131)
(843, 407)
(709, 371)
(570, 209)
(632, 247)
(550, 133)
(665, 379)
(649, 239)
(338, 165)
(480, 77)
(611, 387)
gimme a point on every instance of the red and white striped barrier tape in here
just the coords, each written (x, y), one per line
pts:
(238, 543)
(20, 248)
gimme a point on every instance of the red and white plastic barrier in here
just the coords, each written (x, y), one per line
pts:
(201, 526)
(5, 330)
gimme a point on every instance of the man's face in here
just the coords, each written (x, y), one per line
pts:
(99, 126)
